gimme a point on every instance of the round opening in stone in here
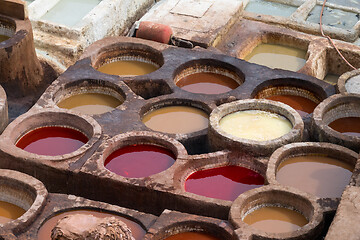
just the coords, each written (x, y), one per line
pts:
(44, 233)
(275, 219)
(321, 176)
(278, 56)
(255, 125)
(9, 212)
(207, 83)
(191, 236)
(128, 66)
(352, 85)
(348, 126)
(139, 160)
(7, 30)
(176, 119)
(225, 183)
(52, 141)
(91, 103)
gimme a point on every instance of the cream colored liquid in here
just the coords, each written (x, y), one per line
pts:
(275, 219)
(3, 38)
(277, 56)
(90, 103)
(318, 175)
(331, 78)
(255, 125)
(176, 119)
(9, 212)
(123, 68)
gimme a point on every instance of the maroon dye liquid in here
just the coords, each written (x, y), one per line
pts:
(302, 105)
(225, 183)
(349, 126)
(52, 141)
(137, 161)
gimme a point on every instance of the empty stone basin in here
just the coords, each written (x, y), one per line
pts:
(278, 56)
(270, 8)
(69, 12)
(349, 82)
(347, 3)
(333, 17)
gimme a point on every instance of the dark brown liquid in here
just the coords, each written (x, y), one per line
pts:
(127, 68)
(302, 105)
(318, 175)
(44, 232)
(275, 219)
(176, 119)
(3, 38)
(207, 83)
(191, 236)
(9, 212)
(349, 126)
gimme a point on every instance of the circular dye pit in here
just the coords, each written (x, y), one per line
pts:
(273, 219)
(176, 119)
(44, 232)
(352, 85)
(137, 161)
(302, 105)
(128, 67)
(348, 126)
(90, 103)
(207, 83)
(3, 38)
(324, 177)
(52, 141)
(277, 56)
(191, 236)
(9, 212)
(225, 183)
(255, 125)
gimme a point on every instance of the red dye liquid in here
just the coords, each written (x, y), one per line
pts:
(302, 105)
(137, 161)
(225, 183)
(52, 141)
(349, 126)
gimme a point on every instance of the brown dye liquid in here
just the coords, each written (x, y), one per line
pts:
(191, 236)
(349, 126)
(44, 232)
(176, 119)
(318, 175)
(207, 83)
(277, 56)
(302, 105)
(275, 219)
(90, 103)
(9, 212)
(3, 38)
(127, 68)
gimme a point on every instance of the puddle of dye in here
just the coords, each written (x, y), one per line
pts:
(207, 83)
(302, 105)
(138, 161)
(52, 141)
(270, 8)
(191, 236)
(126, 68)
(70, 12)
(347, 3)
(331, 78)
(333, 17)
(275, 219)
(277, 56)
(348, 126)
(322, 176)
(3, 38)
(9, 212)
(225, 183)
(255, 125)
(352, 85)
(44, 232)
(90, 103)
(176, 119)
